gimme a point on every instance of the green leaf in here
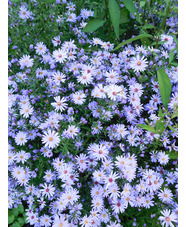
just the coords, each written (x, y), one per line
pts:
(132, 9)
(160, 114)
(176, 40)
(20, 208)
(148, 128)
(174, 115)
(142, 3)
(15, 211)
(21, 221)
(124, 16)
(115, 16)
(164, 87)
(171, 128)
(159, 43)
(173, 155)
(132, 39)
(174, 64)
(93, 25)
(10, 218)
(145, 41)
(160, 126)
(171, 56)
(16, 224)
(148, 26)
(122, 30)
(167, 2)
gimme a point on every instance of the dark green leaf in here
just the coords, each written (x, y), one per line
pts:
(20, 208)
(164, 87)
(132, 9)
(132, 39)
(122, 30)
(173, 155)
(115, 16)
(15, 211)
(21, 221)
(148, 128)
(10, 218)
(93, 25)
(16, 224)
(145, 41)
(124, 16)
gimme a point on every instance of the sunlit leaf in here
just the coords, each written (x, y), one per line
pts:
(148, 128)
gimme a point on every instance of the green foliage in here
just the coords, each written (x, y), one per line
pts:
(148, 128)
(16, 216)
(115, 16)
(173, 155)
(16, 224)
(132, 39)
(132, 9)
(148, 26)
(142, 3)
(124, 16)
(10, 218)
(93, 25)
(160, 126)
(164, 86)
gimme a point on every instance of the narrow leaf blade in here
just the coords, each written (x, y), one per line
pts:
(164, 86)
(171, 56)
(133, 39)
(148, 128)
(115, 16)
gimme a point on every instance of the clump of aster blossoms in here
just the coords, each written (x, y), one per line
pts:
(77, 156)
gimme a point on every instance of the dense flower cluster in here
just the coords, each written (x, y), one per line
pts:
(77, 156)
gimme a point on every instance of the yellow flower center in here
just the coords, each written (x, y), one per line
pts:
(167, 219)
